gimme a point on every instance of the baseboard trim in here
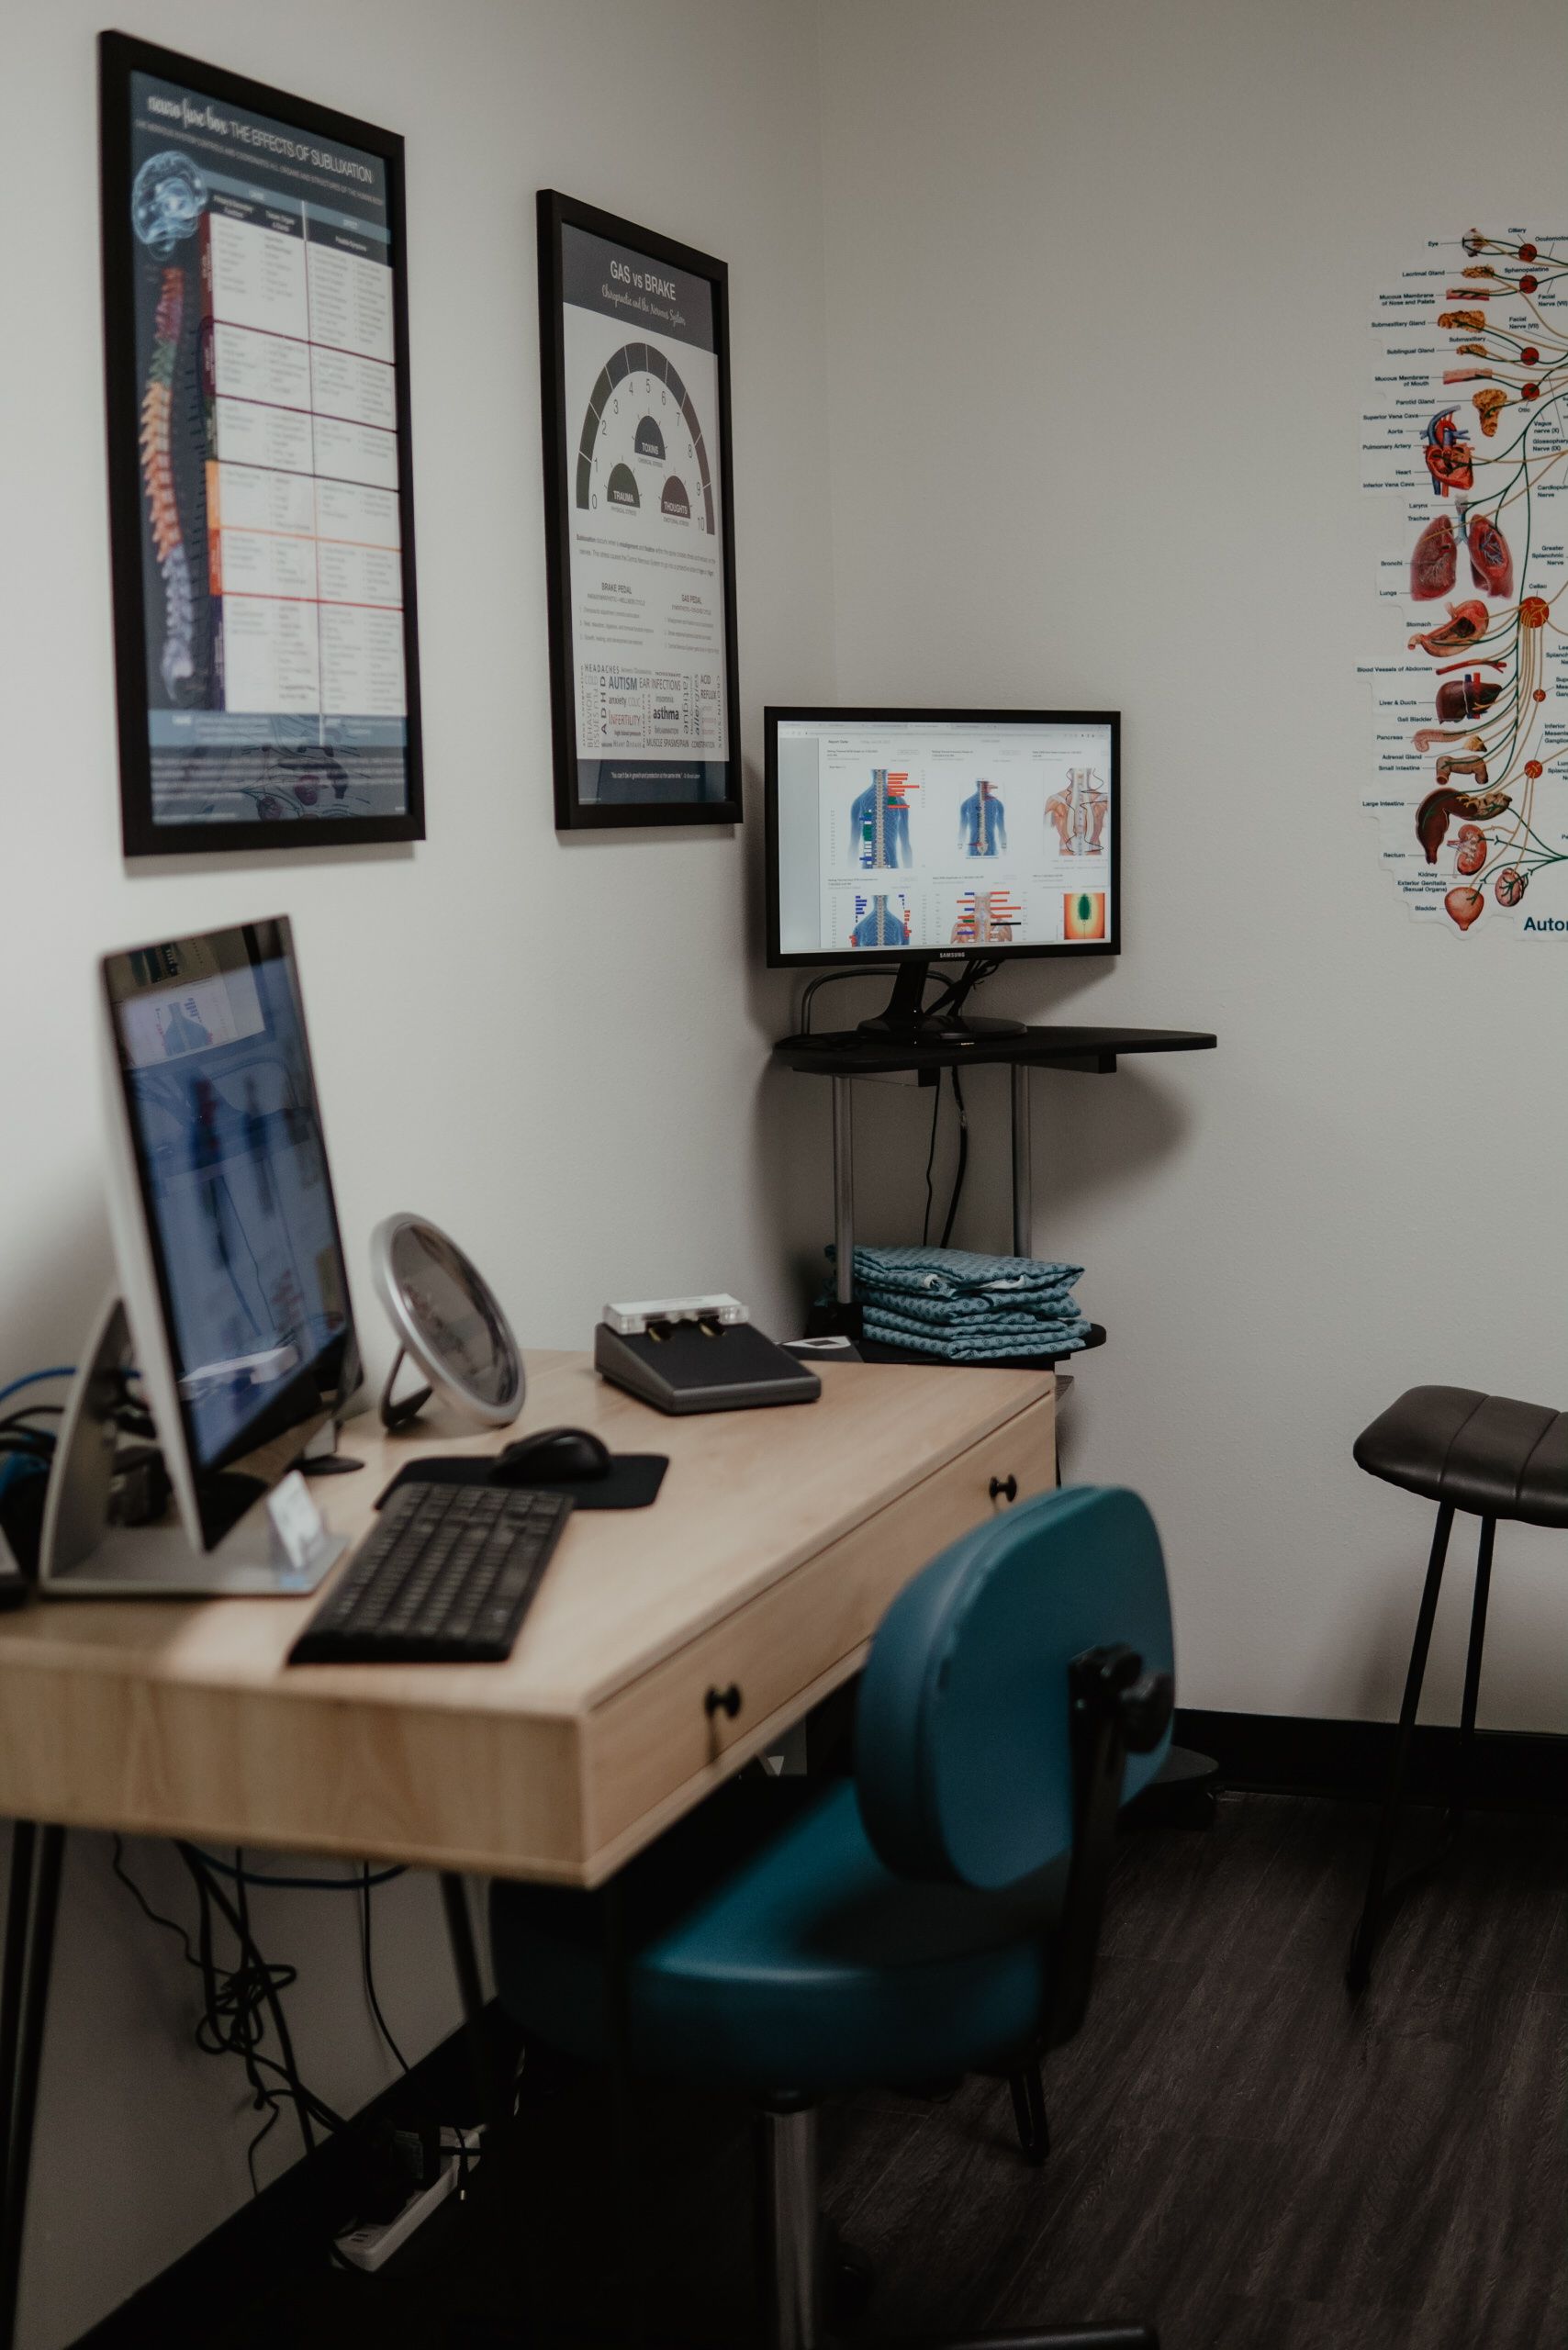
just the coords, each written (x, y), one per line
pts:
(289, 2225)
(1305, 1755)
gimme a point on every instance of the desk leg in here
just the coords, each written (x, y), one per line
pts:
(465, 1962)
(31, 1910)
(1022, 1171)
(627, 2199)
(18, 1904)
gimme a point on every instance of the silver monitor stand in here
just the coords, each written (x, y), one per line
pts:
(83, 1555)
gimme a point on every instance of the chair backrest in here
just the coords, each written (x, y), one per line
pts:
(964, 1763)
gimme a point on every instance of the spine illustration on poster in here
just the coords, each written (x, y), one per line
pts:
(1469, 685)
(177, 661)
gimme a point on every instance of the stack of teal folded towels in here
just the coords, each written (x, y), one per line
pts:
(967, 1308)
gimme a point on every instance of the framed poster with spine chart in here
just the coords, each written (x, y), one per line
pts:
(639, 528)
(261, 481)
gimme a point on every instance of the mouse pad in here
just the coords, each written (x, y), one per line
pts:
(633, 1481)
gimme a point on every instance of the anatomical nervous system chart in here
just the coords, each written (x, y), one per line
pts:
(1465, 438)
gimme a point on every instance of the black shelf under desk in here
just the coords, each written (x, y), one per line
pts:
(846, 1054)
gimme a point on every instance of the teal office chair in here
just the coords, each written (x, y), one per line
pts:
(937, 1915)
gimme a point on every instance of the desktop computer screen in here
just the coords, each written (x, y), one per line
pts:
(228, 1241)
(942, 834)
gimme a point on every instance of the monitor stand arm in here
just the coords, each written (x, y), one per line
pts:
(81, 1479)
(82, 1550)
(906, 1020)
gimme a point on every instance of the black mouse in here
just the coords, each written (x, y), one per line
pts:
(553, 1456)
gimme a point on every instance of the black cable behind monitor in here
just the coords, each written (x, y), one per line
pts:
(907, 1018)
(962, 1168)
(826, 979)
(907, 1011)
(930, 1156)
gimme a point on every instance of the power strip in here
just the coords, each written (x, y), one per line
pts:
(371, 2245)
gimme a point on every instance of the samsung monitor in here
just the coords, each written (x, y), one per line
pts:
(917, 836)
(225, 1226)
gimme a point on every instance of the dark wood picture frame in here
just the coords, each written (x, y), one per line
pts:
(573, 812)
(119, 57)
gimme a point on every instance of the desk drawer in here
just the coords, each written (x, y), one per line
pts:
(719, 1700)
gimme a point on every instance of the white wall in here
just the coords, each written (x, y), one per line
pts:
(1093, 359)
(553, 1048)
(1098, 286)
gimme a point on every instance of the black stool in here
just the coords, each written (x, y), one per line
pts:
(1495, 1459)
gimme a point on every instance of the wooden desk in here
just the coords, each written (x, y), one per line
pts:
(776, 1542)
(778, 1539)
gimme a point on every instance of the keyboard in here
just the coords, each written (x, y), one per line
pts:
(446, 1578)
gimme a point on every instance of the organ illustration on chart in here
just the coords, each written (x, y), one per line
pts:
(1468, 682)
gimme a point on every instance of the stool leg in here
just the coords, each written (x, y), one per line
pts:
(1029, 2112)
(1472, 1672)
(1359, 1971)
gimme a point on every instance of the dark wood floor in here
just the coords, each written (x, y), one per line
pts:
(1238, 2154)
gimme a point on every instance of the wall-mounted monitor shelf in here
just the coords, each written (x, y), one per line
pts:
(845, 1055)
(851, 1053)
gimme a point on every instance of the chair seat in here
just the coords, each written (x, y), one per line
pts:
(768, 1949)
(1488, 1454)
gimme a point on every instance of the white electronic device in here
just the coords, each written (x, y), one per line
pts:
(627, 1321)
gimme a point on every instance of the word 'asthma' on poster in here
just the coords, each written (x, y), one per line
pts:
(1468, 682)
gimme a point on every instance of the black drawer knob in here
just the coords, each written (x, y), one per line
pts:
(1004, 1489)
(723, 1701)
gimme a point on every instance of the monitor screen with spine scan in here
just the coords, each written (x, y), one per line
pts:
(226, 1224)
(942, 834)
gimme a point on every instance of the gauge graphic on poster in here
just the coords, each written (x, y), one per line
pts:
(641, 435)
(639, 540)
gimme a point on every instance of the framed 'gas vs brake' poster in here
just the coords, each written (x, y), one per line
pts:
(639, 530)
(261, 481)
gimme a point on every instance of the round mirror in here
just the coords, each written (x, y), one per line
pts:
(448, 1322)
